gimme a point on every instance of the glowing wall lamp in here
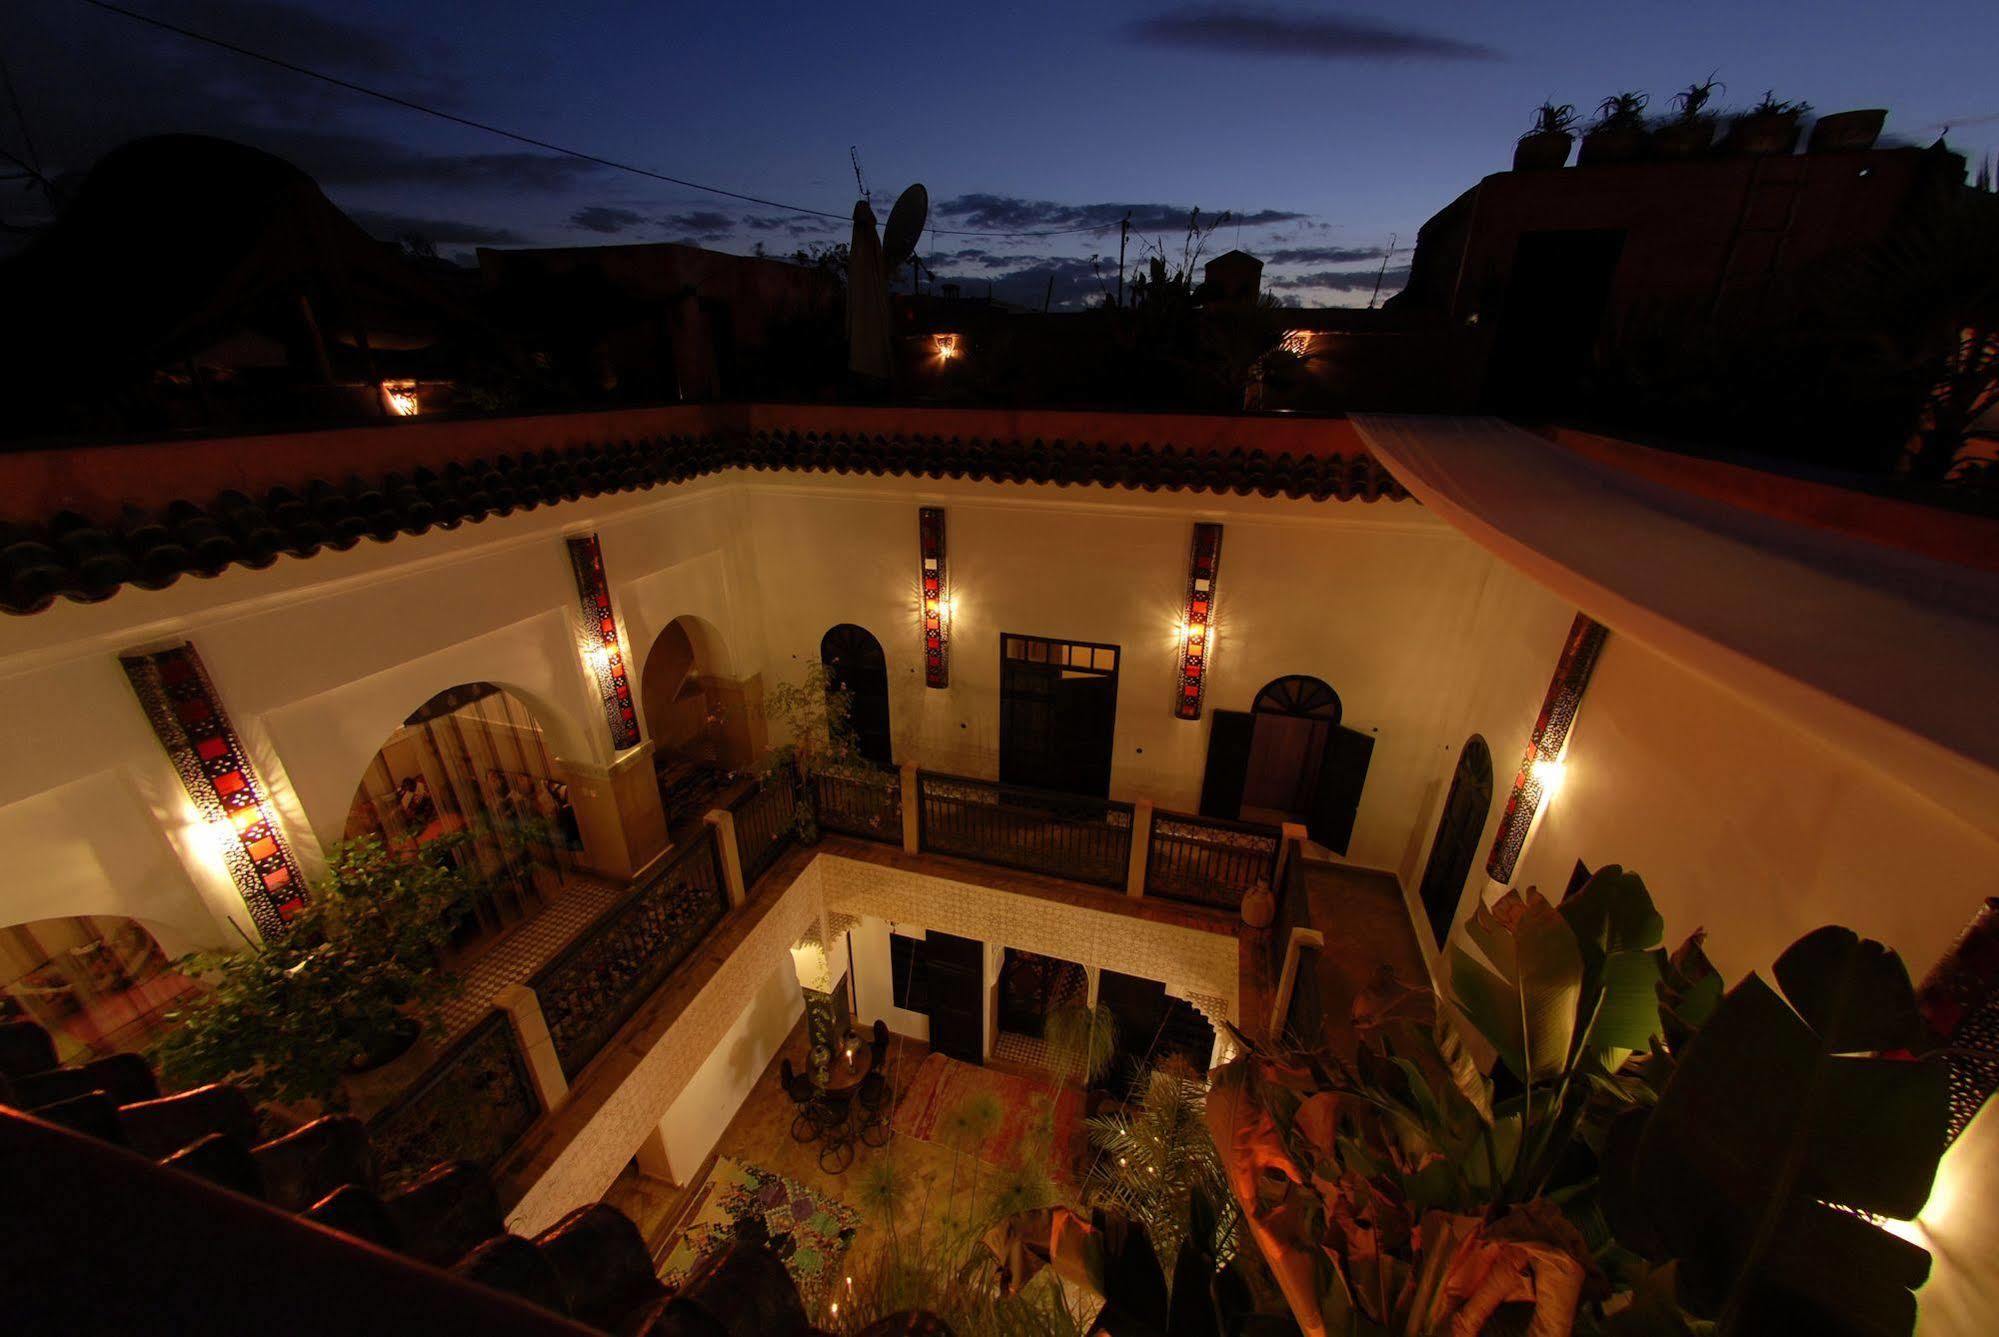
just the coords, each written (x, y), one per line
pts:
(936, 590)
(947, 346)
(598, 639)
(186, 714)
(401, 398)
(1197, 627)
(1541, 770)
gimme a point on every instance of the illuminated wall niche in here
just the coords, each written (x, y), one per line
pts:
(181, 704)
(1539, 769)
(1197, 638)
(935, 579)
(601, 647)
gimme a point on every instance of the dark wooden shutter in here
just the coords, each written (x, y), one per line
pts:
(1341, 776)
(1228, 763)
(910, 981)
(957, 970)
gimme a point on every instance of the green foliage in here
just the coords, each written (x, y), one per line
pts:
(1081, 1041)
(1774, 1109)
(1153, 1162)
(1691, 101)
(1622, 111)
(1552, 119)
(816, 715)
(356, 968)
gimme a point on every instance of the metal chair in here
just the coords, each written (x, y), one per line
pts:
(874, 1099)
(832, 1114)
(799, 1088)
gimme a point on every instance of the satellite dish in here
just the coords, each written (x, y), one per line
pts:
(905, 226)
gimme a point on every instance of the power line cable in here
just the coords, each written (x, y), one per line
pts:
(410, 104)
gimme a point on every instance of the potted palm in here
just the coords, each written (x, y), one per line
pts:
(1690, 132)
(351, 986)
(1619, 133)
(1546, 145)
(1771, 126)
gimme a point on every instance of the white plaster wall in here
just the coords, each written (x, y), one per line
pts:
(697, 1118)
(1957, 1226)
(874, 984)
(1747, 827)
(1369, 598)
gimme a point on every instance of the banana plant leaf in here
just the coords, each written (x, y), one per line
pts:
(1768, 1117)
(1525, 1003)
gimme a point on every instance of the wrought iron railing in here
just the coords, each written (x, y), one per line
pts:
(1062, 835)
(867, 804)
(589, 989)
(766, 822)
(475, 1103)
(1209, 860)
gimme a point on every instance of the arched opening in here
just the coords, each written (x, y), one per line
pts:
(1287, 759)
(855, 664)
(687, 709)
(1458, 832)
(97, 983)
(1294, 717)
(467, 777)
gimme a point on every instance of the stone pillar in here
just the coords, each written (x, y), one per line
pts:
(912, 810)
(523, 1011)
(1141, 846)
(1091, 974)
(724, 823)
(617, 811)
(1288, 979)
(652, 1158)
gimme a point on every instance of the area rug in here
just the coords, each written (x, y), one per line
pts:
(943, 1087)
(820, 1228)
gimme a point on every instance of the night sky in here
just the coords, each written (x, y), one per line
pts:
(1323, 128)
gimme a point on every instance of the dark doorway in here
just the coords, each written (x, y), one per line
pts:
(1152, 1026)
(1556, 298)
(854, 663)
(1031, 986)
(1287, 759)
(1458, 832)
(1058, 714)
(955, 971)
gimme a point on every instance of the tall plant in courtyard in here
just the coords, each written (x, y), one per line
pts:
(356, 976)
(1650, 1155)
(1152, 1161)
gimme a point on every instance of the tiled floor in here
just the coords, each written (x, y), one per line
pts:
(527, 947)
(942, 1189)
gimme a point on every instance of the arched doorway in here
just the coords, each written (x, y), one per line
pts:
(97, 984)
(1458, 832)
(688, 715)
(1287, 759)
(469, 774)
(855, 664)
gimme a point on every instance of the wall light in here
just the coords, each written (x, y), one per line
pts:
(1297, 343)
(947, 346)
(1197, 641)
(400, 397)
(229, 799)
(1540, 772)
(933, 574)
(598, 640)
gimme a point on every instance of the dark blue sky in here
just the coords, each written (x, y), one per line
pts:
(1337, 124)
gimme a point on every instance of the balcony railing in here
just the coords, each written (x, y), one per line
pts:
(766, 822)
(473, 1104)
(1208, 860)
(593, 985)
(1061, 835)
(867, 804)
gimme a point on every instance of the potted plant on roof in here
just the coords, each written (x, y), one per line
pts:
(1690, 131)
(1546, 145)
(1619, 133)
(1769, 127)
(1847, 131)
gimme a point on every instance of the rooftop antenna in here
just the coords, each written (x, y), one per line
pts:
(859, 183)
(1380, 273)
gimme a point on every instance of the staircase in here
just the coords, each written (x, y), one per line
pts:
(127, 1210)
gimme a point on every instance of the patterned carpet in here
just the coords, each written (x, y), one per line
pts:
(943, 1088)
(820, 1228)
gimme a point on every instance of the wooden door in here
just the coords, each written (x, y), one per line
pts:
(956, 973)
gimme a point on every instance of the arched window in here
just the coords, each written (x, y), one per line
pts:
(1299, 697)
(855, 664)
(1458, 832)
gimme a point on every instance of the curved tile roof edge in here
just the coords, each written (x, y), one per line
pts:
(69, 555)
